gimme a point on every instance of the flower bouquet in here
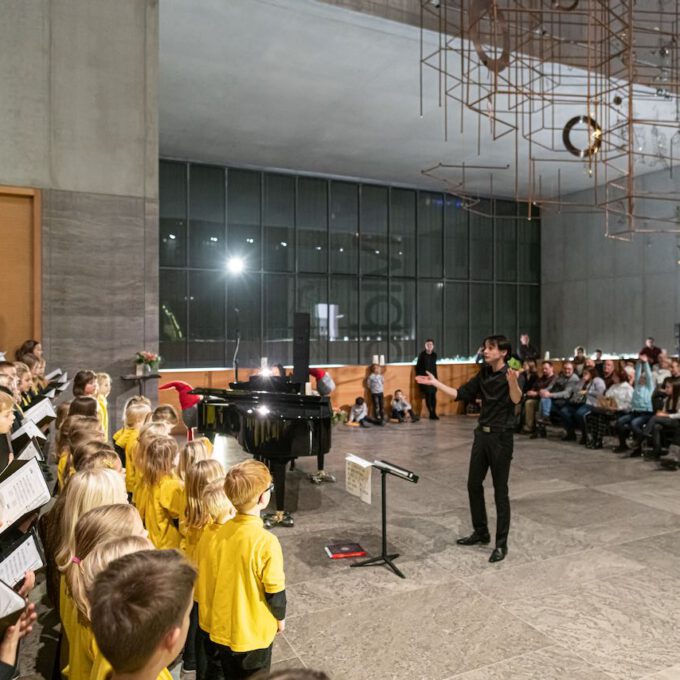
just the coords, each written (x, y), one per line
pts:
(339, 416)
(146, 362)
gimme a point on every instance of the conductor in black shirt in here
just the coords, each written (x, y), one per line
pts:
(497, 385)
(426, 365)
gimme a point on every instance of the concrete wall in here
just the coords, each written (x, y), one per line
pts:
(606, 293)
(78, 119)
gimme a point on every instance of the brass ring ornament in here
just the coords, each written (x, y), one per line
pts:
(595, 137)
(558, 5)
(479, 9)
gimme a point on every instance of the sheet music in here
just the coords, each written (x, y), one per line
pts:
(10, 602)
(64, 386)
(28, 429)
(23, 489)
(25, 558)
(41, 411)
(63, 378)
(29, 451)
(54, 374)
(358, 477)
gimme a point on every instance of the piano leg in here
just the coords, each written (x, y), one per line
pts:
(280, 517)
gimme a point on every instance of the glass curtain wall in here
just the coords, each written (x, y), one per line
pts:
(379, 269)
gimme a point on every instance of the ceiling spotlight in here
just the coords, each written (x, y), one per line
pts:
(235, 265)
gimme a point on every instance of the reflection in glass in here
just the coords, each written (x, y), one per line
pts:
(279, 308)
(481, 314)
(456, 314)
(402, 315)
(529, 313)
(481, 244)
(430, 233)
(403, 232)
(279, 222)
(529, 244)
(456, 239)
(206, 216)
(206, 305)
(373, 318)
(312, 297)
(173, 214)
(173, 316)
(506, 312)
(243, 317)
(430, 317)
(343, 320)
(244, 197)
(506, 241)
(312, 222)
(344, 227)
(373, 229)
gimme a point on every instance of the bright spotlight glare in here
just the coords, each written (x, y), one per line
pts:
(235, 265)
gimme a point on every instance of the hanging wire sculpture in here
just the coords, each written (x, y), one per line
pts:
(590, 86)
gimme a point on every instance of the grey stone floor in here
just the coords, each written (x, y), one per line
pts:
(590, 589)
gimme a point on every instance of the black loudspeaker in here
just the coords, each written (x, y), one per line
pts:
(301, 347)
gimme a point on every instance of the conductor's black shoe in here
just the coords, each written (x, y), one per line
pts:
(569, 436)
(635, 453)
(498, 554)
(434, 416)
(621, 448)
(473, 539)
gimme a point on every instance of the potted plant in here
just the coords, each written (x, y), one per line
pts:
(146, 363)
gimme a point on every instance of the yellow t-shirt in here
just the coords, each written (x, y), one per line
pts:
(163, 508)
(205, 584)
(246, 562)
(68, 615)
(82, 651)
(61, 470)
(189, 542)
(126, 438)
(101, 670)
(103, 415)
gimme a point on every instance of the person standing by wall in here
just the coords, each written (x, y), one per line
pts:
(427, 363)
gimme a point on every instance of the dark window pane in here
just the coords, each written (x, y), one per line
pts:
(279, 308)
(312, 225)
(481, 243)
(373, 229)
(172, 205)
(430, 226)
(456, 239)
(530, 313)
(506, 312)
(529, 243)
(402, 313)
(343, 326)
(172, 317)
(430, 325)
(506, 241)
(373, 318)
(206, 305)
(456, 320)
(344, 227)
(243, 318)
(243, 215)
(403, 232)
(279, 222)
(206, 353)
(206, 216)
(481, 317)
(312, 298)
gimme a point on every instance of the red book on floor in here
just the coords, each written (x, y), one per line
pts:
(339, 551)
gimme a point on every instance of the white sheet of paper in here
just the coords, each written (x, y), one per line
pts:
(41, 411)
(63, 386)
(29, 451)
(63, 378)
(22, 491)
(10, 601)
(28, 428)
(50, 394)
(25, 558)
(54, 374)
(358, 477)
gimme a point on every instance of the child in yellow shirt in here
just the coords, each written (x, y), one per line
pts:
(103, 391)
(140, 608)
(125, 439)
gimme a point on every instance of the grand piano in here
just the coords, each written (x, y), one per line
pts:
(271, 420)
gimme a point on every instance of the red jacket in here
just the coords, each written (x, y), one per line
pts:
(186, 400)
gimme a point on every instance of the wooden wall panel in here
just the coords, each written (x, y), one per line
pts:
(20, 294)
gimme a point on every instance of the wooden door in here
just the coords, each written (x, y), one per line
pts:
(20, 268)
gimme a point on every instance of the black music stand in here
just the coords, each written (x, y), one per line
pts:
(384, 558)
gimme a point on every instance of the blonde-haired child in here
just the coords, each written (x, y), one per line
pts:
(246, 597)
(6, 413)
(191, 453)
(137, 457)
(93, 529)
(78, 430)
(103, 391)
(125, 439)
(164, 413)
(165, 492)
(220, 510)
(96, 454)
(24, 383)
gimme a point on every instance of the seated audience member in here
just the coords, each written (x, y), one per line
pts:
(640, 409)
(247, 606)
(609, 369)
(598, 362)
(651, 351)
(585, 400)
(358, 412)
(616, 402)
(37, 368)
(29, 347)
(139, 608)
(526, 380)
(400, 407)
(661, 370)
(664, 421)
(579, 360)
(531, 400)
(553, 399)
(526, 350)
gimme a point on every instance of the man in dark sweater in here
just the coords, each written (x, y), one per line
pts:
(526, 350)
(500, 392)
(427, 363)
